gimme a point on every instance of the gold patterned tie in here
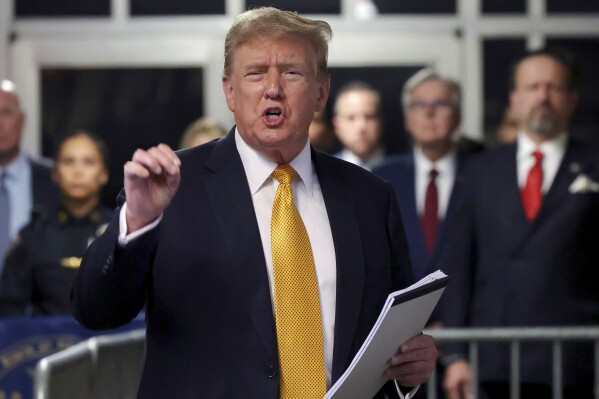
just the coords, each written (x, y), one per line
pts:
(297, 304)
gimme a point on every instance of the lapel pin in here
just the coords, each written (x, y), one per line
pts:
(574, 167)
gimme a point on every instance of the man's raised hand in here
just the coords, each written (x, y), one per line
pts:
(151, 181)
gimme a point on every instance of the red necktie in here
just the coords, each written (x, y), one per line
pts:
(531, 193)
(430, 219)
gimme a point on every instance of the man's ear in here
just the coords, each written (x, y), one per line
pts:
(574, 98)
(324, 87)
(513, 96)
(229, 93)
(335, 124)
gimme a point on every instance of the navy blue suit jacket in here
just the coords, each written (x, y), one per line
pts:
(399, 171)
(202, 276)
(45, 192)
(507, 271)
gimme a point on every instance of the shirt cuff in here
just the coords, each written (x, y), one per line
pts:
(125, 238)
(409, 395)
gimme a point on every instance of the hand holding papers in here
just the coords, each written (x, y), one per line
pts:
(403, 316)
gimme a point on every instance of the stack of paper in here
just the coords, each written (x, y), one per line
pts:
(404, 315)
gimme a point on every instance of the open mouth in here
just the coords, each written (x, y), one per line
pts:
(273, 113)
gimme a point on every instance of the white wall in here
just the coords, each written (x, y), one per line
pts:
(198, 41)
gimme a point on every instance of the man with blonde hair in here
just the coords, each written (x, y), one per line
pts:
(262, 264)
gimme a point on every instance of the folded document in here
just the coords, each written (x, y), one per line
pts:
(404, 315)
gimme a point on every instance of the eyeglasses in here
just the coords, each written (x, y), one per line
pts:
(438, 106)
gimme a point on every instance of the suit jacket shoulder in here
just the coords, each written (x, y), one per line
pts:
(394, 165)
(45, 192)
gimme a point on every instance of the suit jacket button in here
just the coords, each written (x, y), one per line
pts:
(271, 371)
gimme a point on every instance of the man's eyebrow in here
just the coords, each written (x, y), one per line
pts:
(255, 64)
(295, 65)
(283, 65)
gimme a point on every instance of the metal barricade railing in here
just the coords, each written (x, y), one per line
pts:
(515, 335)
(110, 366)
(107, 366)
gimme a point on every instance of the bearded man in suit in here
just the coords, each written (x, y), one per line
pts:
(523, 250)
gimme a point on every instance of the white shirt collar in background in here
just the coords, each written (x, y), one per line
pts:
(553, 152)
(446, 168)
(19, 186)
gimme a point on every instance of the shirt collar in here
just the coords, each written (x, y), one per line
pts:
(373, 158)
(444, 165)
(555, 146)
(16, 168)
(259, 168)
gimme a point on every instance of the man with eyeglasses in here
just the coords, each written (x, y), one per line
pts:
(423, 179)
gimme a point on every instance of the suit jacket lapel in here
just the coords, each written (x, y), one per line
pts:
(234, 211)
(411, 219)
(571, 165)
(349, 255)
(503, 192)
(438, 254)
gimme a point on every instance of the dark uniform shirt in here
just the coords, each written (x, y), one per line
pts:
(41, 265)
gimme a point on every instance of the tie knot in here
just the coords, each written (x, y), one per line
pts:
(538, 155)
(433, 174)
(284, 173)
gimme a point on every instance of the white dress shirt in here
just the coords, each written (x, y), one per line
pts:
(446, 168)
(18, 183)
(553, 152)
(309, 201)
(310, 204)
(373, 160)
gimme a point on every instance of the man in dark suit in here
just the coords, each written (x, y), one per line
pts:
(432, 109)
(525, 248)
(193, 240)
(358, 124)
(27, 182)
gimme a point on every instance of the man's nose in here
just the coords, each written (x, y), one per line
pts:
(543, 93)
(362, 121)
(274, 88)
(430, 109)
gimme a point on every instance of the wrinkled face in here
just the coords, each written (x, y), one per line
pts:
(357, 122)
(12, 120)
(430, 117)
(541, 97)
(273, 91)
(79, 170)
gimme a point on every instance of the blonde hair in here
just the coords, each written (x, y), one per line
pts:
(272, 22)
(204, 125)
